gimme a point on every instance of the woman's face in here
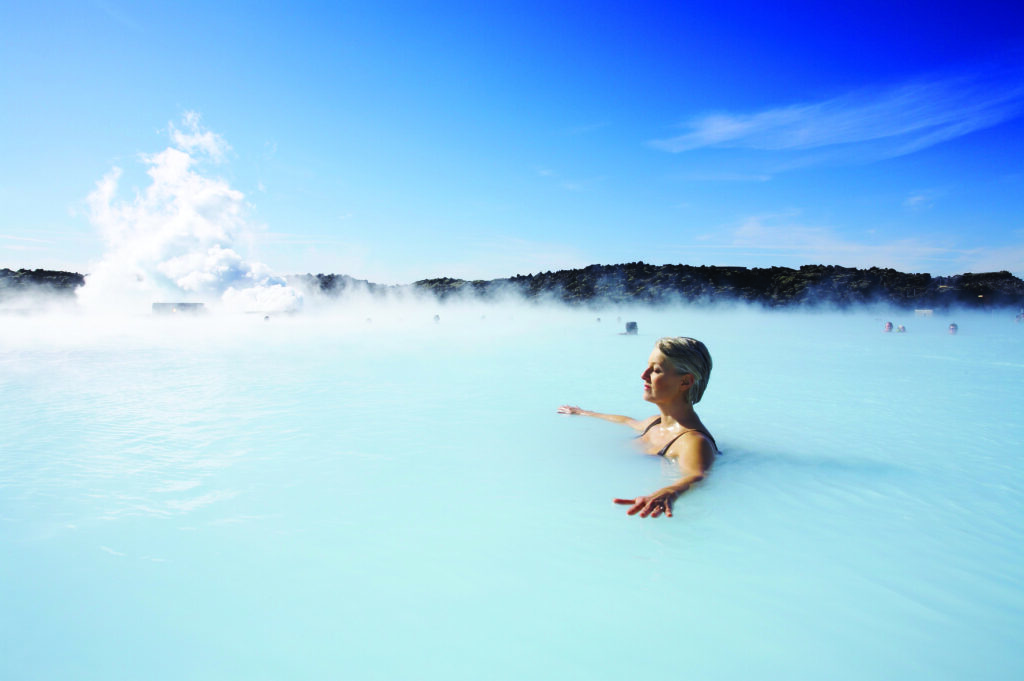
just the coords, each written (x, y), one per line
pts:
(661, 381)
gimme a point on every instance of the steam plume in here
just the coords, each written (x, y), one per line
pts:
(177, 239)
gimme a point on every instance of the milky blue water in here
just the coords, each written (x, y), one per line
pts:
(329, 497)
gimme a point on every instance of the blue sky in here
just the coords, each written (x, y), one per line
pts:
(397, 141)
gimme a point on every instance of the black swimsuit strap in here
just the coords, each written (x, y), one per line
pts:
(664, 449)
(671, 442)
(653, 423)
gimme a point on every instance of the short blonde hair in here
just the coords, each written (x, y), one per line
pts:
(688, 356)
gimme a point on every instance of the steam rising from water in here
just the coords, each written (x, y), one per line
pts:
(177, 240)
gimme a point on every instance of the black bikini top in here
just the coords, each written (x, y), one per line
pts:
(664, 449)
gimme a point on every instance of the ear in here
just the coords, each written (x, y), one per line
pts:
(687, 382)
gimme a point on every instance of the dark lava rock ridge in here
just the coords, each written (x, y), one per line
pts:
(638, 282)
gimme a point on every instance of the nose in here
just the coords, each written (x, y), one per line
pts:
(646, 374)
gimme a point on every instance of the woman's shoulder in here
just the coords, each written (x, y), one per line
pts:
(694, 441)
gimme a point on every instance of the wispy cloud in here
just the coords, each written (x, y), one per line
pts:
(580, 185)
(11, 237)
(783, 235)
(1010, 258)
(726, 177)
(782, 239)
(196, 139)
(896, 120)
(568, 184)
(9, 242)
(922, 200)
(118, 15)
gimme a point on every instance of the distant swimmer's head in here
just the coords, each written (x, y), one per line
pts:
(953, 328)
(688, 356)
(888, 327)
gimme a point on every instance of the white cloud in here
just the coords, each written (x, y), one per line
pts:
(1010, 259)
(11, 237)
(898, 120)
(782, 240)
(118, 15)
(920, 200)
(587, 128)
(816, 244)
(726, 177)
(197, 140)
(572, 185)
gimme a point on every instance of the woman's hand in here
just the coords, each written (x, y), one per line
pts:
(690, 462)
(568, 409)
(652, 505)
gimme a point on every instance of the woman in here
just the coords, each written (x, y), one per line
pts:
(675, 378)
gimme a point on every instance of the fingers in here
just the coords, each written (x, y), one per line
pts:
(662, 506)
(637, 503)
(647, 507)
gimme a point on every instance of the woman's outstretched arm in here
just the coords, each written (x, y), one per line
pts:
(694, 458)
(614, 418)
